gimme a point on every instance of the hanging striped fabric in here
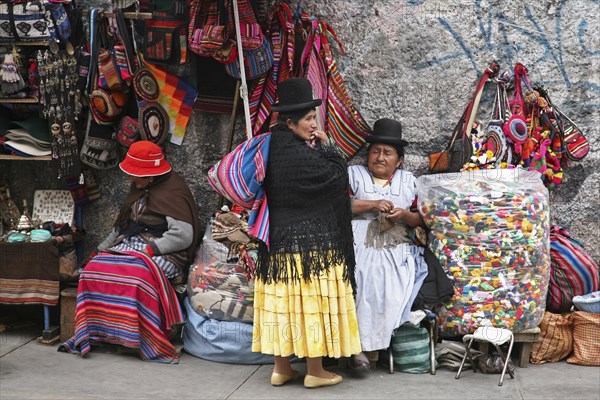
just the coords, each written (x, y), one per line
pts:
(345, 125)
(265, 92)
(316, 72)
(338, 115)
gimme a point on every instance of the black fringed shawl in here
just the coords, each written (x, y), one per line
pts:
(309, 208)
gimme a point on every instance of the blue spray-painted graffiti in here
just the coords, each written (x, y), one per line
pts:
(507, 52)
(581, 34)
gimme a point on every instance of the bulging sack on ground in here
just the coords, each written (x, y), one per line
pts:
(555, 341)
(586, 339)
(490, 231)
(573, 272)
(410, 349)
(588, 302)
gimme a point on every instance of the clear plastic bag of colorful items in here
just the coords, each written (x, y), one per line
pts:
(220, 286)
(490, 231)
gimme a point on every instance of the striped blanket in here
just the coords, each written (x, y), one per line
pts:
(38, 283)
(124, 298)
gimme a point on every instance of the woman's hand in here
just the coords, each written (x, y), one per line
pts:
(383, 205)
(401, 215)
(319, 138)
(397, 215)
(365, 206)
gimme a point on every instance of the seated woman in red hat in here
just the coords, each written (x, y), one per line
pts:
(389, 268)
(127, 286)
(303, 303)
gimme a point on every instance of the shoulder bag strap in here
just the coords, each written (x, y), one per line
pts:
(308, 27)
(490, 72)
(127, 41)
(11, 18)
(92, 78)
(456, 131)
(468, 116)
(327, 29)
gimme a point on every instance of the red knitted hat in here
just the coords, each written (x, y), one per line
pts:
(145, 158)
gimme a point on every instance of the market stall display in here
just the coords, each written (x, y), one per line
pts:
(489, 230)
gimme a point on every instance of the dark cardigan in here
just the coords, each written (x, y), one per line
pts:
(309, 208)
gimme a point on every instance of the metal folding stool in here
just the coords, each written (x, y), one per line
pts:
(495, 336)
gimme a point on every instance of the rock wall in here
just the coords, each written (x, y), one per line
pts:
(417, 61)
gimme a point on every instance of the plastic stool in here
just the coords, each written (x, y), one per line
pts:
(495, 336)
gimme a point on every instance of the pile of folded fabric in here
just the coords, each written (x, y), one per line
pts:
(27, 138)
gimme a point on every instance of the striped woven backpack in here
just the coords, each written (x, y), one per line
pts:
(572, 271)
(239, 178)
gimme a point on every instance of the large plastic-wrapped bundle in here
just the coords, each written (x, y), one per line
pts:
(490, 231)
(218, 286)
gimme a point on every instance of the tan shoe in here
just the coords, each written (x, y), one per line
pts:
(311, 381)
(278, 379)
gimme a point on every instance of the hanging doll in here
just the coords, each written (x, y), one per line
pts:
(11, 81)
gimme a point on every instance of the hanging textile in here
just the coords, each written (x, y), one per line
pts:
(315, 70)
(281, 36)
(338, 117)
(343, 124)
(177, 97)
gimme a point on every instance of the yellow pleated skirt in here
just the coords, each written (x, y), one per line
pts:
(314, 318)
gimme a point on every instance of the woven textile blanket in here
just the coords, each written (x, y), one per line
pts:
(124, 298)
(29, 273)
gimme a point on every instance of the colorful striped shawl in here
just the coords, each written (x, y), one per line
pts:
(239, 177)
(124, 298)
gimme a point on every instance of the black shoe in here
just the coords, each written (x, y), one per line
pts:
(359, 366)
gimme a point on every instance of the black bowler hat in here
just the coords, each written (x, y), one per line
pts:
(387, 131)
(295, 94)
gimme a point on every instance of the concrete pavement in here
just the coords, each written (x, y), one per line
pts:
(30, 371)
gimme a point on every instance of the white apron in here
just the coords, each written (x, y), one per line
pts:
(387, 279)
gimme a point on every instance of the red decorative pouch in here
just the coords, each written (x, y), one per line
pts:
(128, 131)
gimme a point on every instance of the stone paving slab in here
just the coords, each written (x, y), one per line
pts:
(34, 371)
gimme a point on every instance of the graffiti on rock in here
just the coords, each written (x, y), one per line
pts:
(513, 36)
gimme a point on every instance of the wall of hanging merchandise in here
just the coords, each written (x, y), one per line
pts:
(418, 64)
(40, 94)
(60, 105)
(525, 130)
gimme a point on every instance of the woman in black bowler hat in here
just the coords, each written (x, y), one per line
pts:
(304, 303)
(390, 269)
